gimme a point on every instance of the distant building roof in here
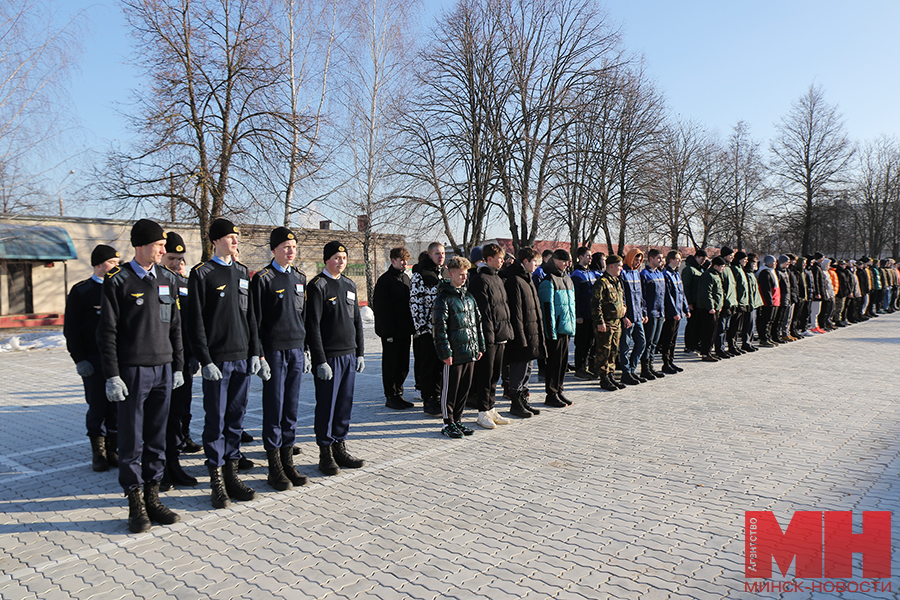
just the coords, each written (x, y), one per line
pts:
(35, 242)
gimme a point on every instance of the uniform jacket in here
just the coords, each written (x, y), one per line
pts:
(802, 288)
(391, 305)
(487, 288)
(333, 323)
(423, 286)
(456, 325)
(634, 293)
(583, 278)
(729, 289)
(653, 283)
(690, 275)
(525, 316)
(711, 293)
(676, 301)
(741, 286)
(557, 294)
(607, 300)
(82, 318)
(794, 281)
(279, 307)
(182, 305)
(755, 299)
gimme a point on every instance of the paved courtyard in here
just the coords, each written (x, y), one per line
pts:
(639, 493)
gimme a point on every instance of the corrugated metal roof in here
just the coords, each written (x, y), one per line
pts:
(35, 242)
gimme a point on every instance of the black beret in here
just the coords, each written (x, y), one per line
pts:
(220, 228)
(279, 236)
(725, 251)
(146, 232)
(174, 243)
(560, 254)
(102, 253)
(613, 259)
(718, 261)
(332, 248)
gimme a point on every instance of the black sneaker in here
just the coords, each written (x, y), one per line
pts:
(450, 430)
(564, 399)
(398, 403)
(554, 401)
(465, 430)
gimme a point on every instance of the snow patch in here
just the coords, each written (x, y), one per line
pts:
(38, 340)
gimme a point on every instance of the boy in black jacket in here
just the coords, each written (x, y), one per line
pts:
(394, 325)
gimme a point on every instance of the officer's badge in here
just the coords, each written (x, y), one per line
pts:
(118, 255)
(341, 249)
(179, 248)
(290, 236)
(221, 287)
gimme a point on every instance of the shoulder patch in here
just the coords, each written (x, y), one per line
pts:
(113, 271)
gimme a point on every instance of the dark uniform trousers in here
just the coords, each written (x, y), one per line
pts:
(721, 334)
(142, 424)
(764, 318)
(429, 365)
(707, 330)
(690, 332)
(456, 383)
(281, 398)
(667, 340)
(179, 411)
(606, 346)
(487, 374)
(735, 326)
(394, 364)
(334, 400)
(583, 339)
(225, 402)
(747, 330)
(557, 361)
(102, 415)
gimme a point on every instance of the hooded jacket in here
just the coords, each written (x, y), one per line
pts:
(635, 310)
(487, 288)
(525, 316)
(557, 294)
(391, 304)
(426, 276)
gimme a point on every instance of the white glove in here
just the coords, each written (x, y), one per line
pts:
(211, 372)
(193, 366)
(360, 364)
(265, 371)
(84, 368)
(254, 365)
(177, 379)
(307, 362)
(324, 372)
(115, 389)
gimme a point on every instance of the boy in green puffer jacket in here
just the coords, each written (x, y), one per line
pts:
(459, 342)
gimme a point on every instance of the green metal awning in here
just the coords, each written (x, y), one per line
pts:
(35, 242)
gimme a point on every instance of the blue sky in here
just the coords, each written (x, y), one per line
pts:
(717, 62)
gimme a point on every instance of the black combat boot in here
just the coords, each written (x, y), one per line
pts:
(652, 369)
(112, 449)
(527, 405)
(236, 488)
(277, 479)
(344, 458)
(326, 461)
(645, 371)
(287, 463)
(190, 446)
(629, 379)
(138, 521)
(156, 510)
(218, 495)
(516, 408)
(607, 384)
(176, 474)
(98, 452)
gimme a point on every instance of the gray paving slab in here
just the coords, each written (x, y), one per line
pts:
(634, 494)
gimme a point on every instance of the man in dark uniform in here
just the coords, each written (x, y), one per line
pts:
(139, 337)
(394, 325)
(279, 303)
(80, 329)
(178, 437)
(607, 310)
(335, 337)
(224, 340)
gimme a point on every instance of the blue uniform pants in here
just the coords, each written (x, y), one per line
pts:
(631, 346)
(334, 400)
(281, 397)
(225, 402)
(179, 411)
(652, 332)
(102, 417)
(142, 424)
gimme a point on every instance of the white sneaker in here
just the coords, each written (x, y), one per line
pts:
(484, 419)
(497, 419)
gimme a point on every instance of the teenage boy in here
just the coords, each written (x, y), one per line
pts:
(394, 325)
(632, 342)
(583, 279)
(458, 342)
(423, 285)
(677, 312)
(527, 343)
(557, 295)
(654, 287)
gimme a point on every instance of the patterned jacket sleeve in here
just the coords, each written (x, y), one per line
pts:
(417, 296)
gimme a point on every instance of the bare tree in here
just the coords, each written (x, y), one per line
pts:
(677, 176)
(709, 204)
(878, 193)
(747, 189)
(811, 152)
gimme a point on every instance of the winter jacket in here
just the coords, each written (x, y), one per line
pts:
(768, 286)
(690, 275)
(710, 293)
(784, 286)
(845, 282)
(653, 283)
(557, 294)
(634, 294)
(456, 325)
(835, 282)
(583, 279)
(729, 289)
(391, 305)
(794, 281)
(676, 301)
(818, 284)
(802, 289)
(487, 288)
(423, 286)
(741, 286)
(827, 287)
(755, 299)
(525, 317)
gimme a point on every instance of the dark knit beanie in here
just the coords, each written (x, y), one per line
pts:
(332, 248)
(279, 236)
(725, 251)
(613, 259)
(475, 255)
(718, 261)
(739, 255)
(146, 232)
(220, 228)
(102, 253)
(818, 255)
(174, 243)
(561, 254)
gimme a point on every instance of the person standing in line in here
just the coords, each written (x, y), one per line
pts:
(279, 309)
(458, 342)
(695, 265)
(526, 319)
(557, 295)
(583, 279)
(334, 334)
(710, 300)
(729, 291)
(768, 283)
(394, 325)
(427, 274)
(179, 422)
(225, 341)
(632, 342)
(676, 312)
(653, 283)
(486, 286)
(139, 337)
(607, 311)
(742, 306)
(755, 304)
(80, 329)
